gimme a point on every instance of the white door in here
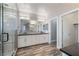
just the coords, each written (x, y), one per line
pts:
(53, 30)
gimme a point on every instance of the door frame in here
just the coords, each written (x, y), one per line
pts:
(1, 29)
(54, 18)
(61, 25)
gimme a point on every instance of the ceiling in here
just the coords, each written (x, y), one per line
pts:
(47, 9)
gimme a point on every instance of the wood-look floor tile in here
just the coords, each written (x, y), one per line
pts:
(39, 50)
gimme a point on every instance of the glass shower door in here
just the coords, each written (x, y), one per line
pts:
(9, 28)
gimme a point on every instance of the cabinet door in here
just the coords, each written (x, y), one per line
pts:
(21, 41)
(29, 40)
(33, 39)
(46, 37)
(43, 38)
(36, 39)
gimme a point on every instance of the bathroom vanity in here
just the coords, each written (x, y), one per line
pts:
(32, 39)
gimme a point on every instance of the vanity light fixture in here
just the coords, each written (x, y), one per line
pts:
(32, 22)
(24, 18)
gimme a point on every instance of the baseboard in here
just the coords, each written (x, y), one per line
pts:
(34, 45)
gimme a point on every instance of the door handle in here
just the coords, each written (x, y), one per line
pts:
(7, 36)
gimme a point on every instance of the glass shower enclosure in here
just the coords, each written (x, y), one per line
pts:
(70, 28)
(8, 28)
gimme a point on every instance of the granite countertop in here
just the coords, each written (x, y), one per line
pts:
(72, 50)
(22, 34)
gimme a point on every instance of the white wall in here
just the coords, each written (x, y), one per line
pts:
(58, 9)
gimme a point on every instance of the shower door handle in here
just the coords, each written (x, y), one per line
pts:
(4, 37)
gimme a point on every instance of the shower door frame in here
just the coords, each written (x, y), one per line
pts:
(60, 18)
(1, 28)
